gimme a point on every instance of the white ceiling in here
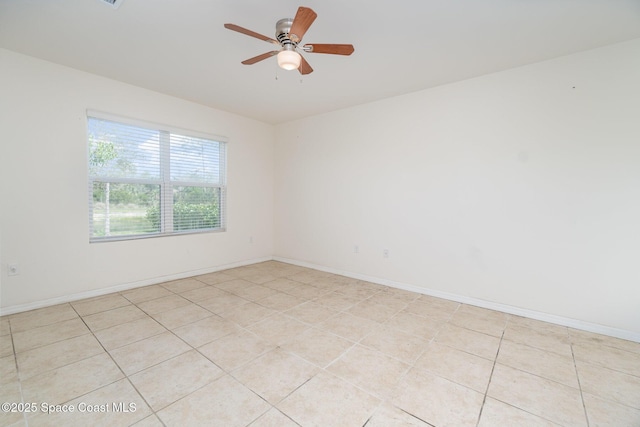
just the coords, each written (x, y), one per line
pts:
(180, 47)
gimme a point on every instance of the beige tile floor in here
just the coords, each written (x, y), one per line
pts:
(273, 344)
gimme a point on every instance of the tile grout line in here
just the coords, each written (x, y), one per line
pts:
(20, 380)
(229, 372)
(153, 412)
(417, 417)
(575, 366)
(324, 369)
(533, 374)
(486, 392)
(15, 362)
(180, 338)
(284, 398)
(410, 366)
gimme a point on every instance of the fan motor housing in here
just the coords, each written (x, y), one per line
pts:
(283, 27)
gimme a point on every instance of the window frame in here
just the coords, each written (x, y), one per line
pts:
(166, 184)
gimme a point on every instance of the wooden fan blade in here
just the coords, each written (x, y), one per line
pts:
(334, 49)
(301, 23)
(259, 57)
(304, 67)
(234, 27)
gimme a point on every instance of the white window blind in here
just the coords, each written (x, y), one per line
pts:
(145, 181)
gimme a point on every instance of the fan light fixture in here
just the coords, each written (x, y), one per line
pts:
(289, 59)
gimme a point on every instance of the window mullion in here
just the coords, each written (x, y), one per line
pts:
(222, 179)
(166, 199)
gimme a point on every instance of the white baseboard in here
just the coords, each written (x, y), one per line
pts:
(123, 287)
(532, 314)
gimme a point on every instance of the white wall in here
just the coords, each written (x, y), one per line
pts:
(43, 178)
(519, 188)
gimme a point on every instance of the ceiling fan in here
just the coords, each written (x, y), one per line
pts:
(289, 33)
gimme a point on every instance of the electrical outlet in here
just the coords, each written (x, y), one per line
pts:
(250, 239)
(385, 253)
(13, 270)
(356, 249)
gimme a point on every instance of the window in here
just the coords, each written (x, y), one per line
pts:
(146, 182)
